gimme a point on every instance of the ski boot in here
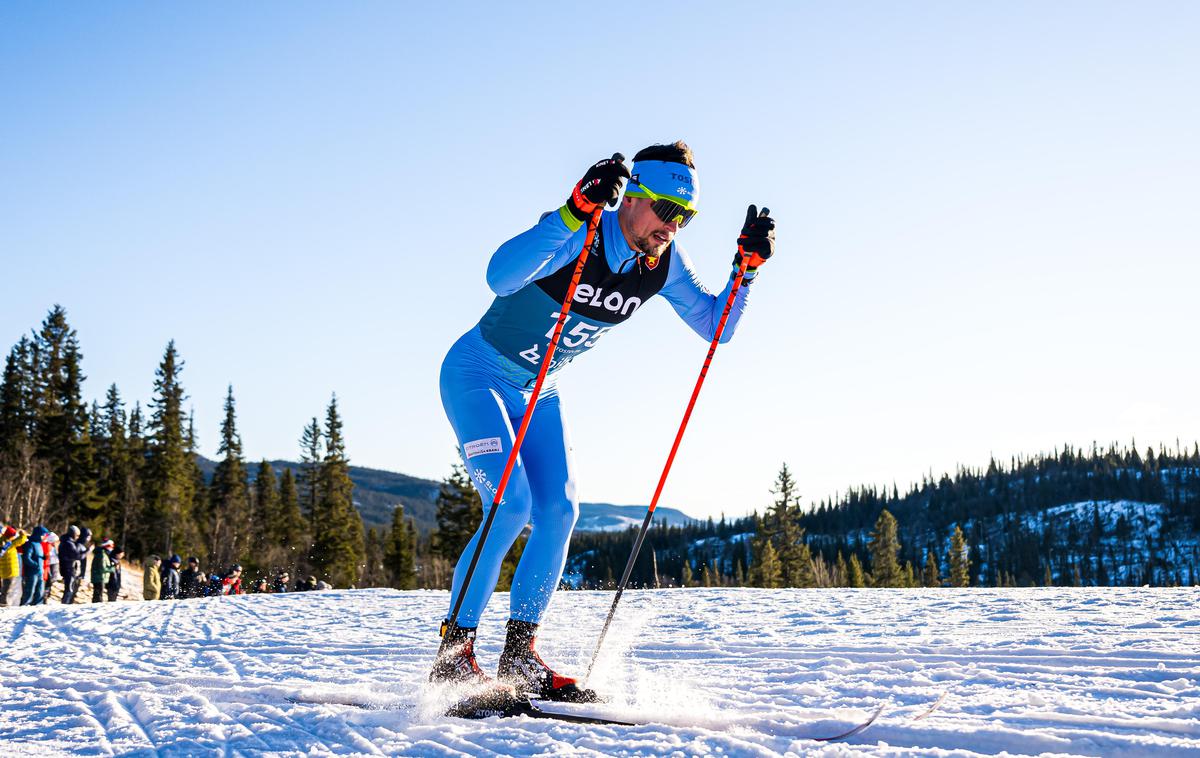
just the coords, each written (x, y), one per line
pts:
(521, 667)
(456, 665)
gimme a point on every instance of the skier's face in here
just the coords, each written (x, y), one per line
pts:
(643, 229)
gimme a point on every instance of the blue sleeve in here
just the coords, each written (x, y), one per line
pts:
(695, 304)
(535, 253)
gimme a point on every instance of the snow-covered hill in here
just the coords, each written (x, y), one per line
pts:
(1100, 672)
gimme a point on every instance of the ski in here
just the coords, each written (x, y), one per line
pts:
(465, 710)
(933, 707)
(847, 734)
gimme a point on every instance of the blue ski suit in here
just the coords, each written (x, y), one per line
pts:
(488, 375)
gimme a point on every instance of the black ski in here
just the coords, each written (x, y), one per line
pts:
(467, 710)
(844, 735)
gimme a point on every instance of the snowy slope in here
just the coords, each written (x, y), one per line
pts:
(1112, 672)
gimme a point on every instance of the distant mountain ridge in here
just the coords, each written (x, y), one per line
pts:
(378, 492)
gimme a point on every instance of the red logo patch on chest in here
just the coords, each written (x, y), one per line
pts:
(651, 262)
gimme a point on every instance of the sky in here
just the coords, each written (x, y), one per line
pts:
(988, 237)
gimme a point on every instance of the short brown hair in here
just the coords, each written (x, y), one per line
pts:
(676, 152)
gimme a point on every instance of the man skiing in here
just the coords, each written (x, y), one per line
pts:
(488, 375)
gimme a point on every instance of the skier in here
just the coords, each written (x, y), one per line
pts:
(487, 377)
(113, 587)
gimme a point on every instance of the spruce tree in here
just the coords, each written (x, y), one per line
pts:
(310, 467)
(770, 572)
(855, 574)
(171, 484)
(459, 513)
(400, 552)
(264, 553)
(841, 571)
(960, 564)
(61, 423)
(16, 400)
(931, 576)
(290, 534)
(686, 578)
(884, 547)
(228, 522)
(338, 539)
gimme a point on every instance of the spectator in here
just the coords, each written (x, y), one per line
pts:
(70, 551)
(50, 573)
(85, 539)
(281, 582)
(102, 569)
(230, 583)
(33, 561)
(324, 585)
(306, 585)
(170, 578)
(11, 540)
(114, 581)
(192, 581)
(152, 579)
(262, 586)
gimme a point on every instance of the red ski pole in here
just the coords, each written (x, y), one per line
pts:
(637, 545)
(588, 239)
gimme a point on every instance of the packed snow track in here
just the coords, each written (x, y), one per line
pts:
(1096, 672)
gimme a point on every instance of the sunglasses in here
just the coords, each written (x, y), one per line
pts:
(666, 209)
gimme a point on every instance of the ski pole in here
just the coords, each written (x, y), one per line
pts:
(589, 237)
(637, 544)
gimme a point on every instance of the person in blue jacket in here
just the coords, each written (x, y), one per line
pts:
(488, 375)
(32, 562)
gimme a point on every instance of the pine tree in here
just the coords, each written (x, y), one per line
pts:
(228, 522)
(854, 574)
(784, 530)
(841, 571)
(400, 552)
(459, 513)
(931, 576)
(338, 539)
(908, 575)
(884, 547)
(171, 484)
(61, 423)
(290, 535)
(770, 573)
(310, 467)
(685, 575)
(266, 516)
(960, 564)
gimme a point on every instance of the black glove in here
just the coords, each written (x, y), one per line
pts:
(601, 185)
(757, 239)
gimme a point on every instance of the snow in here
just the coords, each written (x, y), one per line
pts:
(1097, 672)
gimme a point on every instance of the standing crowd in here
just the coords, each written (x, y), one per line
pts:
(31, 563)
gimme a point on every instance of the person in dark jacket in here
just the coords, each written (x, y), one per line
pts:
(114, 581)
(85, 540)
(170, 578)
(192, 581)
(69, 553)
(281, 582)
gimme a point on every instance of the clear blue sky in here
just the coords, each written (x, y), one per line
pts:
(988, 226)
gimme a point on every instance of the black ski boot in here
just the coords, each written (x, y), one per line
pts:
(456, 665)
(524, 669)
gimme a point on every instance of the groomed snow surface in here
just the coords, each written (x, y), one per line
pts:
(1098, 672)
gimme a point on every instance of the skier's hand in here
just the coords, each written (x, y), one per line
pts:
(757, 240)
(601, 185)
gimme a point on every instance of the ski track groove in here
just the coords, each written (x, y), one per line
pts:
(1064, 671)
